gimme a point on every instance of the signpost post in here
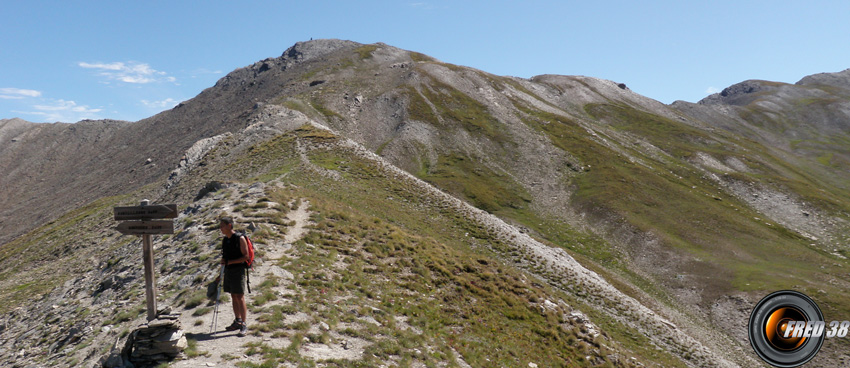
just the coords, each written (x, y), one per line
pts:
(147, 227)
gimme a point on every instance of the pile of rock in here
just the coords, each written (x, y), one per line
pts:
(158, 341)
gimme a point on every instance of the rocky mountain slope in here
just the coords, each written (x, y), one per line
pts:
(331, 224)
(567, 220)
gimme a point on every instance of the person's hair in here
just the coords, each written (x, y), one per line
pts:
(226, 220)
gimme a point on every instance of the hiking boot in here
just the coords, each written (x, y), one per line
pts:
(237, 324)
(243, 331)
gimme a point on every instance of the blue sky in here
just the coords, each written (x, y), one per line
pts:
(66, 61)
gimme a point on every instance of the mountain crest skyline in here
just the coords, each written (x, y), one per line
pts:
(568, 210)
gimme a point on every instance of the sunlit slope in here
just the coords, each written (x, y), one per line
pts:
(399, 272)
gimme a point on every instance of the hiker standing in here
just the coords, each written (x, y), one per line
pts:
(234, 257)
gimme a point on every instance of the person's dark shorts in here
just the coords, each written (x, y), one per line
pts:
(235, 280)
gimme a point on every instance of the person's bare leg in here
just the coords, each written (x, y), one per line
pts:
(240, 310)
(236, 308)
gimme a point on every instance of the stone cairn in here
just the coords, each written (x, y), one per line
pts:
(153, 343)
(159, 341)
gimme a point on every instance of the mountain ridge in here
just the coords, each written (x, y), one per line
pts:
(679, 207)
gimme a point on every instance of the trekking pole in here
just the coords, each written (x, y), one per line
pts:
(217, 296)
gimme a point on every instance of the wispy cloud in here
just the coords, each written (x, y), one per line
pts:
(63, 110)
(17, 93)
(110, 66)
(712, 90)
(420, 5)
(162, 104)
(205, 71)
(202, 72)
(130, 72)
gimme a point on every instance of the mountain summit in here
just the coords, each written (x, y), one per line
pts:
(840, 79)
(304, 51)
(413, 212)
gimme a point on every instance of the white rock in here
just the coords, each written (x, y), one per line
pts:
(578, 316)
(532, 365)
(176, 335)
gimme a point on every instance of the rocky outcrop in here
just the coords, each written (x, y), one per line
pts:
(303, 51)
(738, 94)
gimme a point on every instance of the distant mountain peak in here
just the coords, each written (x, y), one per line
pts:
(747, 91)
(839, 79)
(306, 50)
(740, 93)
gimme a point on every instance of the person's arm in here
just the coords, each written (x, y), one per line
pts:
(223, 261)
(243, 247)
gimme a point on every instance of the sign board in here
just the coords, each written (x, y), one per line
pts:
(155, 211)
(146, 227)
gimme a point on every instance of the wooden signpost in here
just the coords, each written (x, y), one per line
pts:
(149, 212)
(149, 227)
(146, 227)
